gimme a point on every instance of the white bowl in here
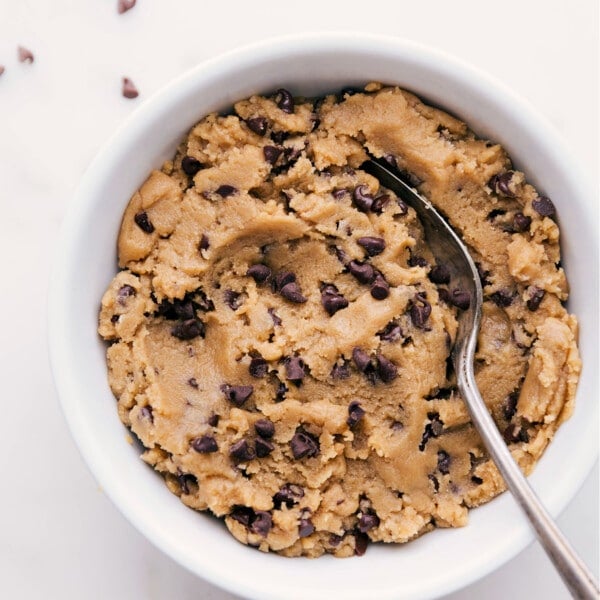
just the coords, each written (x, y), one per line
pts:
(435, 564)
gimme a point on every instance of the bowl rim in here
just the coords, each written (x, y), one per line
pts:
(297, 44)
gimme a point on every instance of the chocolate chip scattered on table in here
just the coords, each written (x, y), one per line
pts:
(128, 89)
(124, 5)
(280, 333)
(25, 55)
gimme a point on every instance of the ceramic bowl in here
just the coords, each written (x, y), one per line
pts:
(440, 561)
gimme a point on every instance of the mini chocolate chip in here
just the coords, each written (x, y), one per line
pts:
(237, 394)
(419, 312)
(125, 5)
(264, 428)
(258, 367)
(305, 528)
(276, 320)
(380, 288)
(125, 292)
(289, 494)
(143, 222)
(213, 420)
(509, 406)
(259, 272)
(339, 194)
(355, 413)
(226, 190)
(190, 165)
(262, 523)
(536, 295)
(146, 413)
(461, 299)
(362, 199)
(443, 462)
(258, 125)
(272, 153)
(115, 318)
(193, 382)
(129, 90)
(204, 243)
(363, 272)
(415, 260)
(380, 202)
(502, 298)
(284, 100)
(476, 480)
(241, 451)
(361, 541)
(361, 359)
(372, 245)
(439, 274)
(304, 444)
(263, 447)
(329, 288)
(332, 300)
(367, 522)
(391, 332)
(295, 369)
(283, 278)
(188, 329)
(544, 206)
(521, 222)
(501, 184)
(340, 371)
(386, 369)
(205, 444)
(242, 514)
(402, 206)
(24, 55)
(291, 291)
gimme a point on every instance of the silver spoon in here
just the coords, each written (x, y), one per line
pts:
(447, 247)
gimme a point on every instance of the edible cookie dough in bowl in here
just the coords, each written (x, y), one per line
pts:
(277, 332)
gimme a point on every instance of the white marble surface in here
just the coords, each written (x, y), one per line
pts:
(60, 537)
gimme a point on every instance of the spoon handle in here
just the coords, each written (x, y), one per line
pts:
(573, 571)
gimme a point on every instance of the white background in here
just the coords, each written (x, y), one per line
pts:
(60, 537)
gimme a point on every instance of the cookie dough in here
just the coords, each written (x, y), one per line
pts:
(279, 333)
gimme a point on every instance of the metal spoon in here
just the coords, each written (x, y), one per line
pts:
(447, 248)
